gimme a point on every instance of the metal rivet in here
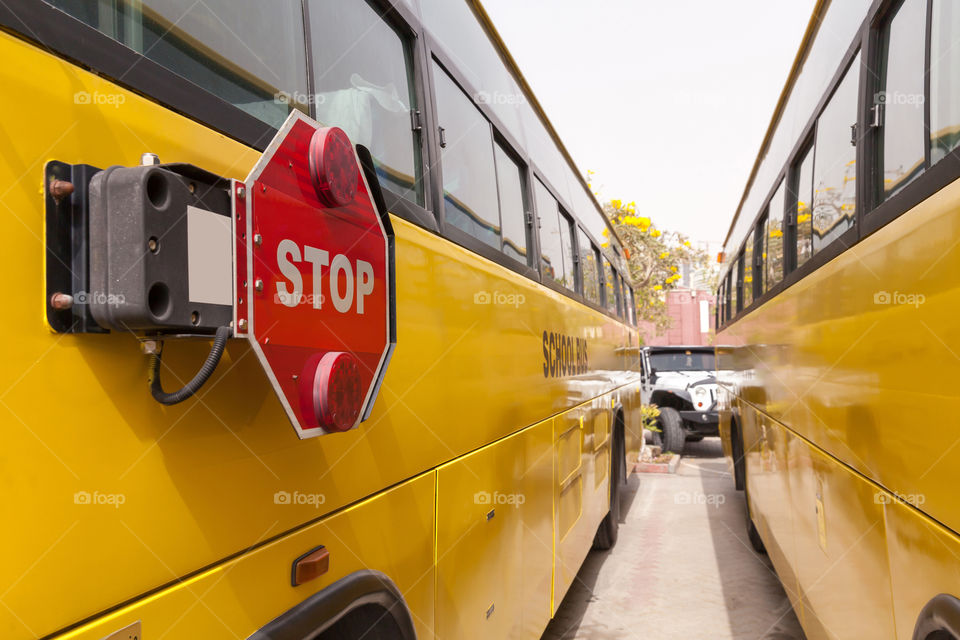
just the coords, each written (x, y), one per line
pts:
(257, 239)
(258, 284)
(153, 244)
(241, 191)
(61, 301)
(242, 323)
(60, 189)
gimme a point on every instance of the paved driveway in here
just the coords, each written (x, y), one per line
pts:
(682, 567)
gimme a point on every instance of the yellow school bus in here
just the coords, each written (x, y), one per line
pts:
(508, 416)
(839, 325)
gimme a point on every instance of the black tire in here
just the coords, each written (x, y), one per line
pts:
(672, 435)
(736, 450)
(755, 540)
(607, 532)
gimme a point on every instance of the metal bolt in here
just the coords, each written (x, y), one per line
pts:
(150, 347)
(153, 244)
(241, 191)
(61, 301)
(242, 323)
(257, 239)
(60, 189)
(149, 159)
(258, 284)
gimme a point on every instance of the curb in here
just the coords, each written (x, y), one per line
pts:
(659, 467)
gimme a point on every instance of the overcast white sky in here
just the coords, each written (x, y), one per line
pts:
(667, 102)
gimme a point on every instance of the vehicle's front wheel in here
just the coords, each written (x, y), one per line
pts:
(672, 435)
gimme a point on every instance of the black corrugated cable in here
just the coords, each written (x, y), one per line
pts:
(219, 342)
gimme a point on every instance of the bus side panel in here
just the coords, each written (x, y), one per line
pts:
(537, 515)
(841, 560)
(769, 492)
(392, 532)
(924, 561)
(582, 484)
(633, 426)
(483, 501)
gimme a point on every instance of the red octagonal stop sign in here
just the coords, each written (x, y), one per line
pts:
(314, 266)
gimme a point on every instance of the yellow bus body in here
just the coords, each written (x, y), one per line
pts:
(861, 526)
(201, 546)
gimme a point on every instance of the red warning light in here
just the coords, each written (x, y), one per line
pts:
(333, 167)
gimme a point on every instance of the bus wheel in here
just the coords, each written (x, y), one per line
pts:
(736, 451)
(755, 540)
(671, 433)
(608, 530)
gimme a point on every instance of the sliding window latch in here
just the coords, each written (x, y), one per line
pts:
(415, 122)
(443, 137)
(876, 111)
(853, 134)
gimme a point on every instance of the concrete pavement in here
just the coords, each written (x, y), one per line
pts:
(682, 567)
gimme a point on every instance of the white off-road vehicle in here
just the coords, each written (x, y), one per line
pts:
(682, 382)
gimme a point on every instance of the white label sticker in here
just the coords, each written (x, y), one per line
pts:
(209, 257)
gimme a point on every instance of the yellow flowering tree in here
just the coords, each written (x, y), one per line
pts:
(655, 258)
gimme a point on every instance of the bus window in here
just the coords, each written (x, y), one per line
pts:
(551, 247)
(569, 251)
(589, 261)
(610, 295)
(620, 296)
(249, 53)
(774, 239)
(363, 68)
(760, 257)
(466, 160)
(804, 191)
(944, 79)
(733, 288)
(747, 270)
(835, 166)
(513, 206)
(902, 143)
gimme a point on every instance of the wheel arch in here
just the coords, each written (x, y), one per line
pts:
(939, 619)
(363, 594)
(672, 399)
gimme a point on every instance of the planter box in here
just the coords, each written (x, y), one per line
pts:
(659, 467)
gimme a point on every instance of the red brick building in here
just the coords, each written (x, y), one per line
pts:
(693, 316)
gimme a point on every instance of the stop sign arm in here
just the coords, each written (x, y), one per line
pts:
(314, 268)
